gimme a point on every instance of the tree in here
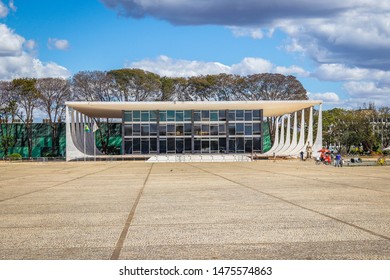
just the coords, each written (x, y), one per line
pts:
(26, 99)
(136, 85)
(53, 92)
(7, 115)
(95, 86)
(273, 87)
(229, 87)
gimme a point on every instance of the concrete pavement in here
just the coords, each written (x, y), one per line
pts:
(248, 210)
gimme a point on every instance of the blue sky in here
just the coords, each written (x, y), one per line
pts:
(339, 50)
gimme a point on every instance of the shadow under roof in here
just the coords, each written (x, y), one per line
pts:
(114, 109)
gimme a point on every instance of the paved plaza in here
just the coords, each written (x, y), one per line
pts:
(247, 210)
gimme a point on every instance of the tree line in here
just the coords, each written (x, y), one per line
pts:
(21, 98)
(366, 129)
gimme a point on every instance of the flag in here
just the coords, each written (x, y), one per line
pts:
(86, 128)
(95, 127)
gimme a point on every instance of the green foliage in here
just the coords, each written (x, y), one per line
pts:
(15, 156)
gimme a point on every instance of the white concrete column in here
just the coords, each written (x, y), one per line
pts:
(281, 140)
(301, 142)
(287, 142)
(294, 137)
(318, 142)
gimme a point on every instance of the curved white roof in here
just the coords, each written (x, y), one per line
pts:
(114, 109)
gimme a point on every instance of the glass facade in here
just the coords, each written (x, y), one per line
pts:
(192, 131)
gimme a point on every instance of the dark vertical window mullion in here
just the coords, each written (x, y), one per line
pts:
(158, 131)
(123, 132)
(192, 132)
(261, 131)
(227, 131)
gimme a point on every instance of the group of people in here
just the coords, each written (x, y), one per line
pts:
(325, 157)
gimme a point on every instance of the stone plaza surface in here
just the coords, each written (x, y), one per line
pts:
(247, 210)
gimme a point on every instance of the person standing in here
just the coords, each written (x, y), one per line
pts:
(301, 153)
(308, 150)
(338, 160)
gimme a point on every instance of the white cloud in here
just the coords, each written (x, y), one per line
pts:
(166, 66)
(340, 72)
(10, 43)
(58, 44)
(329, 97)
(3, 10)
(30, 44)
(368, 90)
(16, 61)
(12, 6)
(255, 33)
(350, 32)
(27, 66)
(251, 65)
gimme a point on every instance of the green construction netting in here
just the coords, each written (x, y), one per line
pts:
(42, 144)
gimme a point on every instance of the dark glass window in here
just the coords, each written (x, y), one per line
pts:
(196, 145)
(205, 115)
(136, 144)
(153, 116)
(163, 146)
(205, 146)
(187, 142)
(214, 145)
(239, 129)
(128, 147)
(232, 145)
(222, 144)
(171, 145)
(214, 116)
(196, 116)
(171, 130)
(170, 115)
(153, 129)
(179, 116)
(232, 115)
(187, 129)
(153, 144)
(232, 129)
(145, 130)
(179, 145)
(145, 146)
(136, 129)
(256, 128)
(187, 115)
(179, 129)
(256, 115)
(163, 116)
(222, 129)
(213, 129)
(197, 129)
(144, 116)
(222, 115)
(239, 144)
(256, 144)
(128, 117)
(205, 129)
(248, 115)
(239, 115)
(248, 145)
(136, 116)
(163, 130)
(128, 130)
(248, 129)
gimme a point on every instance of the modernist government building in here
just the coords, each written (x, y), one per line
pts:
(196, 127)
